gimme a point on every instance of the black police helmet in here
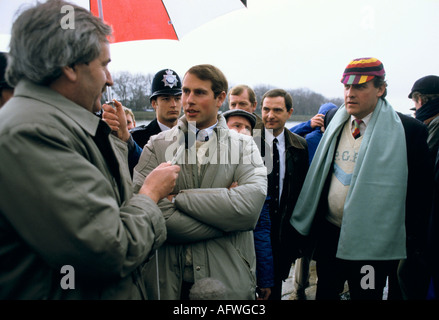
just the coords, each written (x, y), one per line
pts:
(165, 82)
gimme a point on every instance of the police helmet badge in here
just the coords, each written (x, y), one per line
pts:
(169, 79)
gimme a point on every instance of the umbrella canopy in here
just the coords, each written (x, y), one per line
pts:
(159, 19)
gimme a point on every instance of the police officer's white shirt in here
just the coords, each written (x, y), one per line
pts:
(162, 126)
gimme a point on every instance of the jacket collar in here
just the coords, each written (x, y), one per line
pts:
(84, 118)
(291, 140)
(183, 123)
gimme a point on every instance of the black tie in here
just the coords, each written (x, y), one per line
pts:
(275, 174)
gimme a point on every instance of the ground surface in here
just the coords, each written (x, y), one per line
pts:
(288, 289)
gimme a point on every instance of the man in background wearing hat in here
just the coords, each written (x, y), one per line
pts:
(367, 193)
(425, 95)
(244, 122)
(166, 101)
(240, 121)
(6, 91)
(274, 253)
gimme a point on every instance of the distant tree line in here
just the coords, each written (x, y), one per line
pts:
(134, 90)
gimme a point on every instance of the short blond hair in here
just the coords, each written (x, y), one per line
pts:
(128, 111)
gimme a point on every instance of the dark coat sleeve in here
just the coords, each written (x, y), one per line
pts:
(418, 210)
(263, 249)
(134, 153)
(141, 134)
(433, 233)
(419, 186)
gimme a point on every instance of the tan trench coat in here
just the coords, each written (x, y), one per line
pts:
(59, 205)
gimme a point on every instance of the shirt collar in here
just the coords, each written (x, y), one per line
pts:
(162, 126)
(208, 130)
(269, 137)
(366, 119)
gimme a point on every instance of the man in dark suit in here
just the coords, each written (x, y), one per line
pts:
(166, 101)
(286, 176)
(367, 194)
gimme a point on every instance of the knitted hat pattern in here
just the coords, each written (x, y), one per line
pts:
(362, 70)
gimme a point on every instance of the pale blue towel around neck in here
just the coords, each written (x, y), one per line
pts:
(373, 225)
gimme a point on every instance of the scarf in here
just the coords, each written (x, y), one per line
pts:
(428, 110)
(373, 225)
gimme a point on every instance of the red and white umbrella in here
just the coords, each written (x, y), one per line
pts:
(159, 19)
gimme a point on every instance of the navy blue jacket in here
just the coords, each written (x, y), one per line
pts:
(139, 137)
(263, 250)
(312, 136)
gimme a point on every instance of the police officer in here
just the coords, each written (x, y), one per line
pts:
(166, 101)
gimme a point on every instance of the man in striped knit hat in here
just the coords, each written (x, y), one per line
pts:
(366, 194)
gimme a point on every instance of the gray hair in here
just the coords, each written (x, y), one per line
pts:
(40, 47)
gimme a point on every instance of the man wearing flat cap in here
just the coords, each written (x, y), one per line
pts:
(366, 196)
(244, 122)
(425, 95)
(240, 120)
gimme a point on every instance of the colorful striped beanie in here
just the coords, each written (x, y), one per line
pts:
(362, 70)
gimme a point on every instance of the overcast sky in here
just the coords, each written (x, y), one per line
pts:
(295, 44)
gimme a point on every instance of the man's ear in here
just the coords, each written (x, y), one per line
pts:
(221, 98)
(381, 90)
(254, 106)
(70, 72)
(154, 104)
